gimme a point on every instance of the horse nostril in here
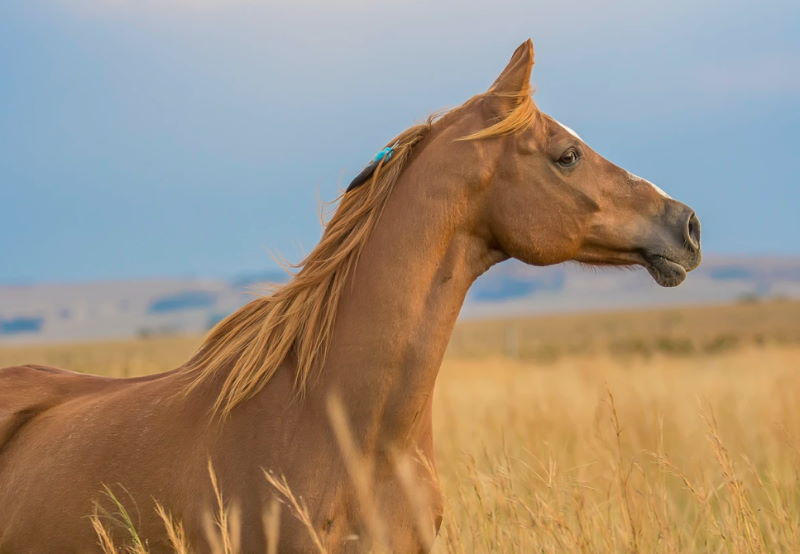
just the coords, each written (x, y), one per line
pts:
(691, 232)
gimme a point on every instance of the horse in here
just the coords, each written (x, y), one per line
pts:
(319, 394)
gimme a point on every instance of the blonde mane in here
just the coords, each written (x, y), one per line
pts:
(296, 321)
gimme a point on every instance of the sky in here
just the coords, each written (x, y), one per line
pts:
(175, 138)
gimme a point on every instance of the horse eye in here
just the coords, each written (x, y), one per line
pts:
(569, 158)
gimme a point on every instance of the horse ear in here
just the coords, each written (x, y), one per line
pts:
(516, 77)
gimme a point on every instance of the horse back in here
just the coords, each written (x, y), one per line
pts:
(28, 390)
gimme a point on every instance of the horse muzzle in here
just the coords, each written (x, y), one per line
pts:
(674, 247)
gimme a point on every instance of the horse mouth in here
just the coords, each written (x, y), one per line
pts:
(666, 272)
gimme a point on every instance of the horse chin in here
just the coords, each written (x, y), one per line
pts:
(664, 271)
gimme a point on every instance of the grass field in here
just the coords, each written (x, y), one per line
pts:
(659, 431)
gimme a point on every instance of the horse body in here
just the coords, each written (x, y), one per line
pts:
(143, 442)
(328, 383)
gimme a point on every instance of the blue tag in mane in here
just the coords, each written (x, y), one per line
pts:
(384, 155)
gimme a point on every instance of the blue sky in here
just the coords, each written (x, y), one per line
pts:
(144, 138)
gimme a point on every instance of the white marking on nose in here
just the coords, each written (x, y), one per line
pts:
(570, 131)
(658, 189)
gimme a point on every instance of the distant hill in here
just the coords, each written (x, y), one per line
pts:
(52, 312)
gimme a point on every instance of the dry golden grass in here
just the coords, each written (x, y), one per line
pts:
(596, 447)
(697, 454)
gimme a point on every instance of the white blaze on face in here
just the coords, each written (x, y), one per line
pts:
(570, 131)
(658, 189)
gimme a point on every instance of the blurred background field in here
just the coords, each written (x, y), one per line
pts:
(675, 331)
(673, 430)
(702, 330)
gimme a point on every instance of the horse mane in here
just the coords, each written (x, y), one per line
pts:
(298, 318)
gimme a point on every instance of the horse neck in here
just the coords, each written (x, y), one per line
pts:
(395, 319)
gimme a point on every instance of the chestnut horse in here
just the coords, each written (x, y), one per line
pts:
(365, 320)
